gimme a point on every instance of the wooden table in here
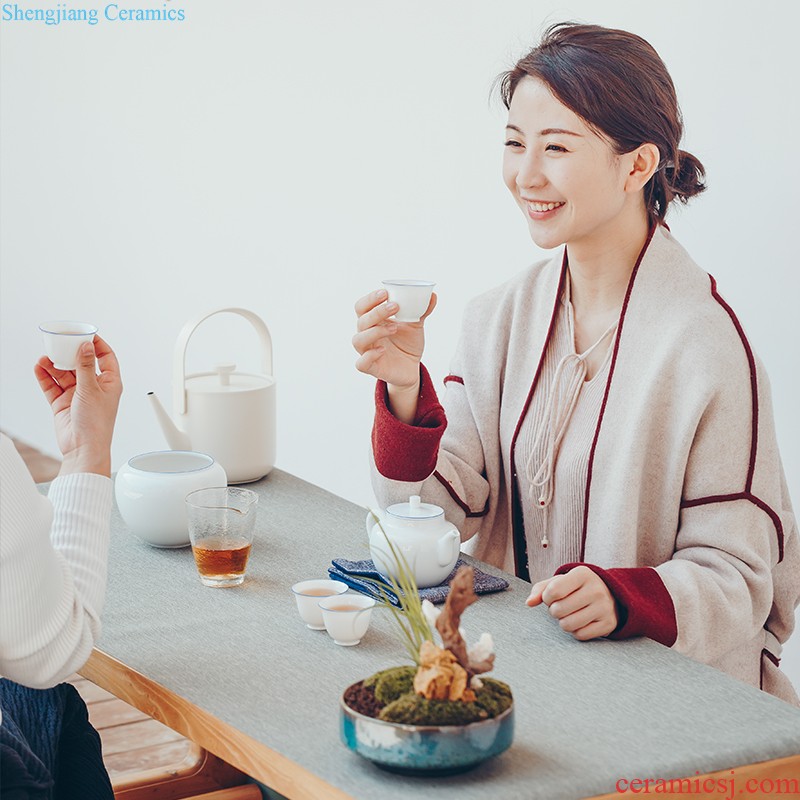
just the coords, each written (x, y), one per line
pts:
(237, 672)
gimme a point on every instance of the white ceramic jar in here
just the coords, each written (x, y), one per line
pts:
(151, 491)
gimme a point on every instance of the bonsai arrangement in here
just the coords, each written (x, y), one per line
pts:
(445, 688)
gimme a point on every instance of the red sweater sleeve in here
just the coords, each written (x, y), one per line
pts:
(644, 605)
(408, 452)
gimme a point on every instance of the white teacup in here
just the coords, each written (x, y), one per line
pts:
(412, 297)
(63, 339)
(347, 617)
(307, 594)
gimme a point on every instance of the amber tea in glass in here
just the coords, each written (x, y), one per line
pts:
(221, 560)
(221, 527)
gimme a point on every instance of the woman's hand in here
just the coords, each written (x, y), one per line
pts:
(84, 406)
(580, 601)
(391, 351)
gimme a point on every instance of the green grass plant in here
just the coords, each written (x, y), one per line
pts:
(411, 622)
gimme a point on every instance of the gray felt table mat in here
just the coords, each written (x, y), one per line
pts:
(587, 713)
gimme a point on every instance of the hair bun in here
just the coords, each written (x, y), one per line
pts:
(688, 179)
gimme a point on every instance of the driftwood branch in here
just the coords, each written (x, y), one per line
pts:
(461, 596)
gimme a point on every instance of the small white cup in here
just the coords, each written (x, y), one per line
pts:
(63, 339)
(307, 594)
(347, 617)
(412, 297)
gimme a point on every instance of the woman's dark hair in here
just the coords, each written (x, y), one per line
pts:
(617, 83)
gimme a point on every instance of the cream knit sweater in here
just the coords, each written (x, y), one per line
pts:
(686, 513)
(554, 525)
(53, 560)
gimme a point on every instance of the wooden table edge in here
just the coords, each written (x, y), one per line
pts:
(251, 757)
(285, 776)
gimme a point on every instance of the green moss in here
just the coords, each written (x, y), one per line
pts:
(393, 688)
(373, 679)
(494, 697)
(413, 709)
(394, 683)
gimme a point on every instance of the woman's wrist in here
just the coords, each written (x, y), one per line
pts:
(403, 401)
(97, 462)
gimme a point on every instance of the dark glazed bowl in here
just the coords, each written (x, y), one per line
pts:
(425, 749)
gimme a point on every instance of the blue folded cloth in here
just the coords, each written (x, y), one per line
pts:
(352, 572)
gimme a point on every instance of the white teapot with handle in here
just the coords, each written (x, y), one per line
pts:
(228, 414)
(428, 542)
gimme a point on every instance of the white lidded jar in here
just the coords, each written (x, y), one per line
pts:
(151, 490)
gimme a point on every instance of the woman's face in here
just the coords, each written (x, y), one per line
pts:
(567, 180)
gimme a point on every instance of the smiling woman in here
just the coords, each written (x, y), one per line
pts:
(628, 101)
(606, 429)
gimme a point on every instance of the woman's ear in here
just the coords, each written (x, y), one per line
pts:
(646, 159)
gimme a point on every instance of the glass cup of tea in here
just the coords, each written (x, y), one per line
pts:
(221, 525)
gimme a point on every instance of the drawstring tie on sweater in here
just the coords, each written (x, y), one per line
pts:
(571, 372)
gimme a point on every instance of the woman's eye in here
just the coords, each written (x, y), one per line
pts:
(512, 143)
(556, 148)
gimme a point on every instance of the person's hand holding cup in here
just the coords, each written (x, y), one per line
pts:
(390, 348)
(84, 403)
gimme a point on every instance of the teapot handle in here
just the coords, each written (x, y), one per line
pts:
(179, 359)
(448, 546)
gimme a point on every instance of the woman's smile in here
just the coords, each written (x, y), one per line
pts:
(564, 175)
(543, 209)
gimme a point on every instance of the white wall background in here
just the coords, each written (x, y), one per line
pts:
(287, 156)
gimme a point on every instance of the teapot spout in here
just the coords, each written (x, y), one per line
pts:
(175, 437)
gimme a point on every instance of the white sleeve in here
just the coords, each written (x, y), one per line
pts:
(53, 562)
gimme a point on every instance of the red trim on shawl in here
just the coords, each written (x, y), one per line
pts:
(462, 505)
(517, 527)
(617, 339)
(747, 493)
(644, 606)
(751, 498)
(408, 452)
(771, 657)
(447, 485)
(753, 383)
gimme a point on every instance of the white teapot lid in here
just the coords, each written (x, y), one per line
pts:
(223, 380)
(414, 509)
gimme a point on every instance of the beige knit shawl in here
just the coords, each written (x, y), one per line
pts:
(684, 475)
